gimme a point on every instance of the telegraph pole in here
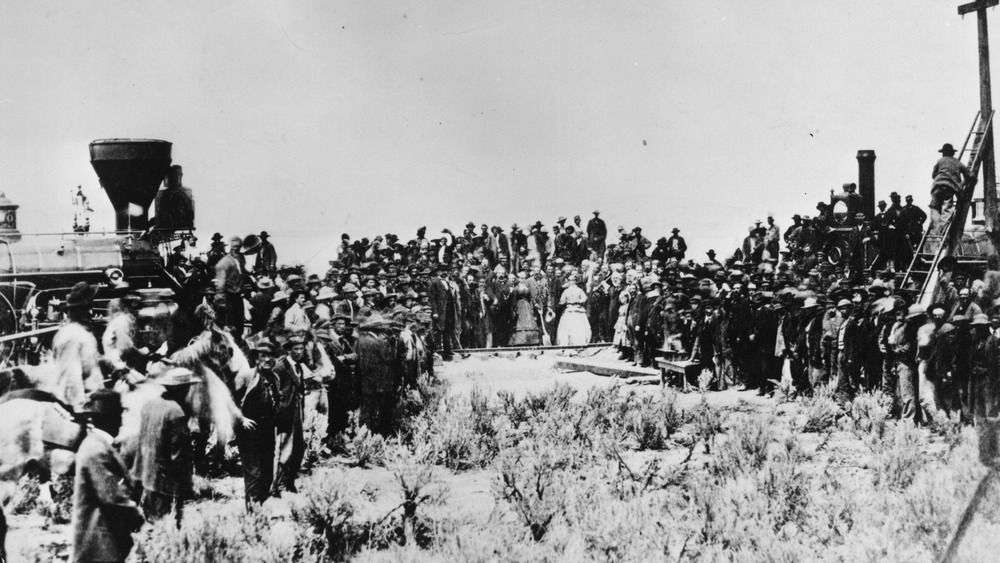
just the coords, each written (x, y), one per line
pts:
(986, 108)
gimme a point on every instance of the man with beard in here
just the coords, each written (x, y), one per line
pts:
(258, 399)
(290, 373)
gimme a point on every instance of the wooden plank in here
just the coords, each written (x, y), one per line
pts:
(605, 367)
(531, 348)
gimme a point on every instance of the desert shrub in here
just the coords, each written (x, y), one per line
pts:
(206, 489)
(229, 535)
(532, 481)
(419, 486)
(25, 497)
(607, 409)
(867, 414)
(60, 510)
(898, 457)
(556, 399)
(314, 423)
(461, 434)
(653, 420)
(745, 447)
(821, 410)
(707, 421)
(323, 512)
(948, 427)
(367, 447)
(514, 410)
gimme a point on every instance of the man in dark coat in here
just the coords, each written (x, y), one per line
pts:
(597, 234)
(290, 373)
(104, 515)
(164, 464)
(676, 246)
(258, 399)
(443, 308)
(267, 257)
(913, 221)
(342, 391)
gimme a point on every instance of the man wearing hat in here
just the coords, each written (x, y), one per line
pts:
(267, 257)
(104, 516)
(258, 397)
(74, 344)
(229, 273)
(676, 246)
(792, 232)
(341, 392)
(984, 359)
(163, 465)
(260, 304)
(949, 176)
(444, 305)
(902, 344)
(291, 373)
(597, 234)
(913, 220)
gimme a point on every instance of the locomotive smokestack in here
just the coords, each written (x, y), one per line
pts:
(866, 181)
(130, 171)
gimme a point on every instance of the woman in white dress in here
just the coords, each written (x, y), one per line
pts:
(574, 327)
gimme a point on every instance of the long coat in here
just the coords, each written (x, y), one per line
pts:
(104, 515)
(164, 461)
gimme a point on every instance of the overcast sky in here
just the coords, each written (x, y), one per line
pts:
(309, 119)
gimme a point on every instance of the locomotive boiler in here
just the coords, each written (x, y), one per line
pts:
(37, 270)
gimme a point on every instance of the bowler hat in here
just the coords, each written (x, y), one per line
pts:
(80, 295)
(217, 236)
(947, 149)
(263, 234)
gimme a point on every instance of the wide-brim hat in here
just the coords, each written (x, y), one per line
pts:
(915, 310)
(80, 295)
(177, 376)
(980, 319)
(349, 288)
(294, 340)
(265, 283)
(293, 278)
(279, 296)
(326, 292)
(675, 230)
(947, 149)
(217, 236)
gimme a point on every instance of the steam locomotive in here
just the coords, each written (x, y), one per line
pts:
(38, 270)
(841, 224)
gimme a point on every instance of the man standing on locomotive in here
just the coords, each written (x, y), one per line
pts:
(229, 288)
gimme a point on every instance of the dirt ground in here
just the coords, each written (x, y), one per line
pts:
(469, 491)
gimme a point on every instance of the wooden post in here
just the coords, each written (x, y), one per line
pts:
(986, 107)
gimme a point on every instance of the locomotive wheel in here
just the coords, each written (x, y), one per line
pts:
(8, 325)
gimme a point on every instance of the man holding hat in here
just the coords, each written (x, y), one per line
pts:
(163, 465)
(104, 515)
(258, 399)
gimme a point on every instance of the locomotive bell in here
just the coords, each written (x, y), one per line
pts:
(130, 171)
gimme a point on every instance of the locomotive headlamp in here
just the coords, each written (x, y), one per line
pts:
(115, 276)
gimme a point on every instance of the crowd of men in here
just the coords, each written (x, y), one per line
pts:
(778, 307)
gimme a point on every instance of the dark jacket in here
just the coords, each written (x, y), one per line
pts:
(291, 394)
(104, 515)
